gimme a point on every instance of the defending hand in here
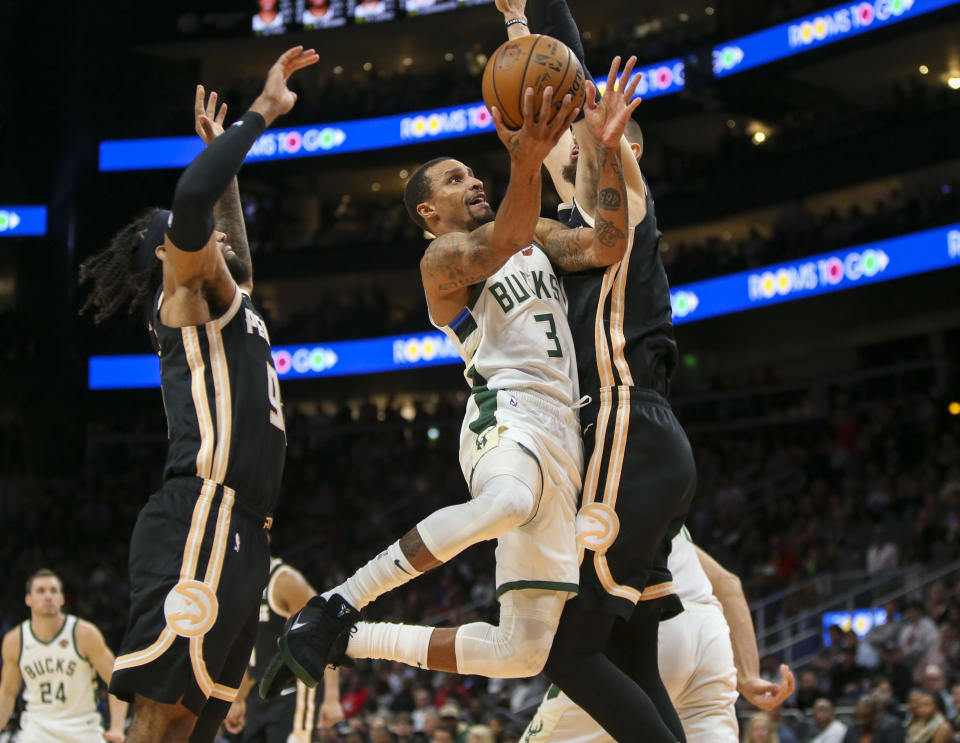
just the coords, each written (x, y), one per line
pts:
(607, 119)
(276, 98)
(208, 125)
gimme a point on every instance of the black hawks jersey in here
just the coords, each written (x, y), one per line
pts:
(631, 341)
(222, 398)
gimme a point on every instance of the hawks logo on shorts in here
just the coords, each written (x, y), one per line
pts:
(597, 527)
(191, 608)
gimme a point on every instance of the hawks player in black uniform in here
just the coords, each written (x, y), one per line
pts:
(290, 716)
(199, 554)
(641, 475)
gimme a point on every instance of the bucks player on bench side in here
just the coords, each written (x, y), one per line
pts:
(57, 657)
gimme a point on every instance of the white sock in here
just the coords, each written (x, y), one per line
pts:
(405, 643)
(383, 573)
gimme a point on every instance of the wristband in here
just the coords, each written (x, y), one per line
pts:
(513, 21)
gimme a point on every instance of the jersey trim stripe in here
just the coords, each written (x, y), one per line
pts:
(224, 319)
(542, 585)
(617, 309)
(212, 579)
(271, 587)
(198, 525)
(592, 480)
(604, 365)
(619, 448)
(148, 654)
(658, 591)
(305, 709)
(224, 407)
(198, 387)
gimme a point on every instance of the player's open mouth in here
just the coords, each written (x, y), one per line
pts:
(574, 153)
(479, 200)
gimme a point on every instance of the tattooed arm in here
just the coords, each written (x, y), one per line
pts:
(228, 211)
(228, 215)
(603, 245)
(604, 125)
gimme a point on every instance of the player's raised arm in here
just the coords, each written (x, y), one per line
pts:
(605, 244)
(228, 211)
(195, 259)
(746, 657)
(554, 19)
(9, 675)
(457, 260)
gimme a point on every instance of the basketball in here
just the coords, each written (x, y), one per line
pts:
(533, 61)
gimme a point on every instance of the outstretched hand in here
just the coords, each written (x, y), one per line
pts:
(209, 125)
(607, 119)
(512, 8)
(533, 141)
(766, 694)
(276, 98)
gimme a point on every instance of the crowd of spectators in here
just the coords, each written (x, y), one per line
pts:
(873, 488)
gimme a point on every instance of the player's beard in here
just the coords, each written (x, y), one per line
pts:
(569, 172)
(239, 269)
(483, 217)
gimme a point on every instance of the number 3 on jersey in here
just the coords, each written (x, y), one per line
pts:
(556, 352)
(273, 394)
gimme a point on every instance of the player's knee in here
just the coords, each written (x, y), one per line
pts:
(531, 655)
(513, 503)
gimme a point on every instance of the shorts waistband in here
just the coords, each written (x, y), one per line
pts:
(192, 485)
(608, 395)
(554, 407)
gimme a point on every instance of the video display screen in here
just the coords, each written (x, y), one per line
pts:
(319, 14)
(424, 7)
(275, 17)
(372, 11)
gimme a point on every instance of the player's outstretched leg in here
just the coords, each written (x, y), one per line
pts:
(507, 482)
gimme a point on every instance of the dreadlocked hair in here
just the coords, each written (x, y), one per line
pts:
(113, 273)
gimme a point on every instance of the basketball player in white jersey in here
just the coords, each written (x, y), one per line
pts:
(491, 287)
(707, 654)
(289, 717)
(57, 657)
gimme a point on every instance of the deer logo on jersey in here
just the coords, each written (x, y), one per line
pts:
(191, 608)
(597, 527)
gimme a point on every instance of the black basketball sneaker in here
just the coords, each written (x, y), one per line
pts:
(312, 639)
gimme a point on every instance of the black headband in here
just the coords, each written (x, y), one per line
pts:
(154, 236)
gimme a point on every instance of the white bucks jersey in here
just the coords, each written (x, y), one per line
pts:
(513, 333)
(61, 687)
(689, 579)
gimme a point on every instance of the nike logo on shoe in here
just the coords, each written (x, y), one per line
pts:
(397, 563)
(297, 624)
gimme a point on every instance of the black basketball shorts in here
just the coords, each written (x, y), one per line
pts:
(199, 562)
(637, 490)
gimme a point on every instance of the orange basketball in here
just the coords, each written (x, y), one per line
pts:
(533, 61)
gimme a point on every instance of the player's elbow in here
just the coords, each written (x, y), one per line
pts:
(608, 255)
